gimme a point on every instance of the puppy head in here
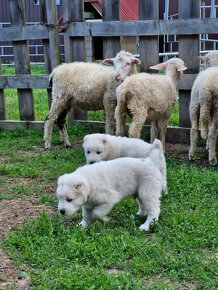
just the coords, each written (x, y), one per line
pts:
(96, 148)
(72, 193)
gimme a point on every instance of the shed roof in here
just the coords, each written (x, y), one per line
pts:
(128, 8)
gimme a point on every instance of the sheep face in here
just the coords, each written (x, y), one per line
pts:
(124, 65)
(210, 59)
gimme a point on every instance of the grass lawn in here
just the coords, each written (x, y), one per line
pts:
(179, 252)
(41, 101)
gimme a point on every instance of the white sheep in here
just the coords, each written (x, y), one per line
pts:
(210, 59)
(204, 108)
(86, 86)
(149, 97)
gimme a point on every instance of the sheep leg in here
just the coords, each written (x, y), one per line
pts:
(120, 114)
(109, 106)
(61, 122)
(153, 131)
(193, 133)
(55, 111)
(162, 128)
(205, 120)
(138, 121)
(212, 138)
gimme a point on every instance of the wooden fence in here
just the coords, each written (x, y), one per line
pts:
(188, 27)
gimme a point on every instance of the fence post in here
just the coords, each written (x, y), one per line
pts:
(148, 45)
(188, 52)
(22, 60)
(46, 48)
(73, 10)
(2, 99)
(111, 12)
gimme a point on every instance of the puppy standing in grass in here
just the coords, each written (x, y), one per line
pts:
(99, 147)
(98, 187)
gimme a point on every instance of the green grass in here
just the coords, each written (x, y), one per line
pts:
(179, 251)
(41, 102)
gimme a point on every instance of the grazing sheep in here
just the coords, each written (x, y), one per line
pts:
(151, 97)
(103, 147)
(210, 59)
(86, 86)
(204, 108)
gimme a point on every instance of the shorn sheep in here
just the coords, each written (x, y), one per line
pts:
(86, 86)
(204, 108)
(149, 97)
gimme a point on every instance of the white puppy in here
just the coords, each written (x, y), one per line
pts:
(98, 187)
(99, 147)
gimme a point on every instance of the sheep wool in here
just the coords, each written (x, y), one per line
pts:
(204, 110)
(149, 97)
(86, 86)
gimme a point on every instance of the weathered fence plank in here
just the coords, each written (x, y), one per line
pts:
(148, 45)
(111, 28)
(144, 27)
(22, 60)
(42, 82)
(110, 12)
(24, 81)
(188, 51)
(2, 99)
(74, 48)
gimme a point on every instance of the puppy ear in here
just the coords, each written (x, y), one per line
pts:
(84, 140)
(78, 186)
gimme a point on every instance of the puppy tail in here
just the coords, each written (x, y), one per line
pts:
(158, 158)
(157, 144)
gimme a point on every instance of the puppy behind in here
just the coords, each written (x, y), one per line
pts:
(98, 187)
(100, 147)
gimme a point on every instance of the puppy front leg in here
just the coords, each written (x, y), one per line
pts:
(101, 211)
(87, 217)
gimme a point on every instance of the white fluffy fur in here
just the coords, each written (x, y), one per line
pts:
(99, 147)
(98, 187)
(204, 107)
(148, 97)
(86, 86)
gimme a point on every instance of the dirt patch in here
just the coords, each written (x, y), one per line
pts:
(12, 214)
(15, 211)
(10, 275)
(180, 153)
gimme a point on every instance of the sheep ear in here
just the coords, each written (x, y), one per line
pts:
(204, 58)
(108, 61)
(159, 66)
(135, 61)
(181, 67)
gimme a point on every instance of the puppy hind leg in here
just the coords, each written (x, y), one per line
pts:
(150, 196)
(141, 211)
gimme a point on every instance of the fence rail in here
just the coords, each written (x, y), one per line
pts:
(148, 30)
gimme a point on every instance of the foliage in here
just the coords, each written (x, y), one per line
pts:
(179, 252)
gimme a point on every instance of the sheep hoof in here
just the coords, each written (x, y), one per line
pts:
(213, 161)
(68, 145)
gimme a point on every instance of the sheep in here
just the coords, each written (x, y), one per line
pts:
(210, 59)
(146, 96)
(204, 109)
(86, 86)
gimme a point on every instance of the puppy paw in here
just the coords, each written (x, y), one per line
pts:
(83, 223)
(144, 227)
